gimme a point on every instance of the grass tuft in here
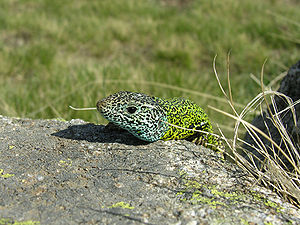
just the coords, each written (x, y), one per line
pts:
(275, 165)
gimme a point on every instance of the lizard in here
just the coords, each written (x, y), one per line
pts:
(151, 118)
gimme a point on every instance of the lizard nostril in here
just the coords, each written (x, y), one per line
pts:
(101, 104)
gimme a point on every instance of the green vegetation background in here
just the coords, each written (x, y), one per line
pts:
(56, 53)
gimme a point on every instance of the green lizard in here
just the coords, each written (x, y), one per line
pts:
(151, 118)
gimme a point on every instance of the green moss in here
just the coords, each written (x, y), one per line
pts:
(244, 222)
(196, 187)
(231, 195)
(65, 163)
(182, 173)
(193, 184)
(5, 175)
(256, 195)
(4, 221)
(122, 205)
(267, 202)
(273, 205)
(197, 199)
(9, 221)
(268, 223)
(193, 193)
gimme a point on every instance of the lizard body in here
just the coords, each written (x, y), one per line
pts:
(151, 118)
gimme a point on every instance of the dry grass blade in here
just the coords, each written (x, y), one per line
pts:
(82, 109)
(276, 165)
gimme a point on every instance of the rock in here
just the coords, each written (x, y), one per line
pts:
(290, 86)
(55, 172)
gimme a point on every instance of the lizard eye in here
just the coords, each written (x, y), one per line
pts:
(131, 109)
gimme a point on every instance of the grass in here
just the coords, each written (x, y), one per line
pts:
(54, 54)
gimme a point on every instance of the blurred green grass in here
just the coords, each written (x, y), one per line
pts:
(57, 53)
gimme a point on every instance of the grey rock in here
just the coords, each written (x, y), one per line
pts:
(290, 86)
(55, 172)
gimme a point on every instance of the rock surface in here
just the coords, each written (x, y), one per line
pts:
(56, 172)
(290, 86)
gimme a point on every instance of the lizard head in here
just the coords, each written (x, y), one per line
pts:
(137, 113)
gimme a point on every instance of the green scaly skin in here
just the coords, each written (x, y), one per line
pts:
(151, 118)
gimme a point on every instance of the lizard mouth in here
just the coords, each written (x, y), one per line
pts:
(105, 109)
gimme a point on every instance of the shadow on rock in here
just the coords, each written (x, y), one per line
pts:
(98, 133)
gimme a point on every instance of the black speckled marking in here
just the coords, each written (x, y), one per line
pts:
(137, 113)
